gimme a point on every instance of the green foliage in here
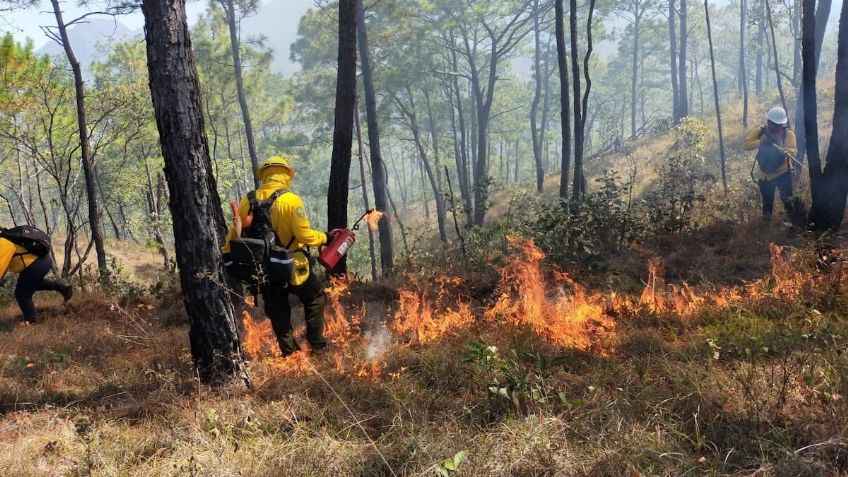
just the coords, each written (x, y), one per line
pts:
(450, 466)
(7, 291)
(118, 282)
(669, 207)
(518, 381)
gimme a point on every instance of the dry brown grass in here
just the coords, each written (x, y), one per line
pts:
(755, 386)
(98, 389)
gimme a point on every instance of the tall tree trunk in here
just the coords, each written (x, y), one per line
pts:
(199, 224)
(543, 127)
(821, 20)
(722, 159)
(537, 97)
(761, 46)
(155, 215)
(362, 178)
(588, 80)
(434, 137)
(683, 80)
(517, 159)
(795, 17)
(337, 193)
(775, 56)
(242, 97)
(462, 157)
(634, 70)
(743, 65)
(672, 42)
(808, 92)
(378, 170)
(85, 147)
(578, 186)
(565, 113)
(828, 208)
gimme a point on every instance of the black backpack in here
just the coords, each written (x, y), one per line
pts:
(770, 157)
(32, 239)
(257, 257)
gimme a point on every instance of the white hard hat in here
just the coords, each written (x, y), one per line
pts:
(777, 115)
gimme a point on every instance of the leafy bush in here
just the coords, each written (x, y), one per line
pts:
(670, 207)
(517, 381)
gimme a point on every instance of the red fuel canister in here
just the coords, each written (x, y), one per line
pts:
(337, 249)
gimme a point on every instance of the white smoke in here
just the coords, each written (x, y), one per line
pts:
(377, 341)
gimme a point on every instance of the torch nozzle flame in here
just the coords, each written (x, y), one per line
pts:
(372, 218)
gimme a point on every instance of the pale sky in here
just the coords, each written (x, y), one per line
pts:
(27, 23)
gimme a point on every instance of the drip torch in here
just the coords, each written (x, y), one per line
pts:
(343, 240)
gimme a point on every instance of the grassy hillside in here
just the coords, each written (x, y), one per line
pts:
(718, 350)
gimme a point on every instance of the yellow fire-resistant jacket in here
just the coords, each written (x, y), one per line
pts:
(757, 137)
(14, 258)
(288, 218)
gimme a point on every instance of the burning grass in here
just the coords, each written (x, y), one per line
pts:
(682, 378)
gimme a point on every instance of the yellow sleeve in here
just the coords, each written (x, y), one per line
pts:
(7, 251)
(754, 139)
(791, 144)
(244, 209)
(291, 222)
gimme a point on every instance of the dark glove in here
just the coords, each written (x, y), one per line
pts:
(331, 235)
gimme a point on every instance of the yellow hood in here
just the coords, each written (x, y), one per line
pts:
(275, 177)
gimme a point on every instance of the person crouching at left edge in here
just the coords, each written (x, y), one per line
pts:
(25, 250)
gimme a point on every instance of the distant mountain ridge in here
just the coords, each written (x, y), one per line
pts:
(87, 38)
(276, 21)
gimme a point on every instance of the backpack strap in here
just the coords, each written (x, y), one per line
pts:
(251, 199)
(273, 198)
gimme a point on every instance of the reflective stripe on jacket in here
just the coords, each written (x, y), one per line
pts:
(288, 218)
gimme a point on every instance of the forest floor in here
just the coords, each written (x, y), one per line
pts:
(721, 351)
(727, 377)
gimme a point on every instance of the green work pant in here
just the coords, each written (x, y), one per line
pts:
(278, 309)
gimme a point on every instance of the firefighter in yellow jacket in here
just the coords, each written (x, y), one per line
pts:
(289, 221)
(776, 147)
(32, 271)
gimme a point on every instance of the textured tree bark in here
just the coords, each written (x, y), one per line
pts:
(672, 47)
(85, 147)
(199, 224)
(634, 68)
(683, 80)
(828, 208)
(378, 169)
(761, 41)
(721, 157)
(363, 180)
(338, 191)
(537, 97)
(565, 113)
(822, 16)
(587, 77)
(743, 65)
(462, 157)
(412, 120)
(242, 97)
(808, 92)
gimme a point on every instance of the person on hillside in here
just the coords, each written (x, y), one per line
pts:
(776, 148)
(293, 231)
(32, 273)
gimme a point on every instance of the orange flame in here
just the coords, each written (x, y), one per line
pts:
(658, 297)
(372, 218)
(573, 320)
(259, 340)
(416, 315)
